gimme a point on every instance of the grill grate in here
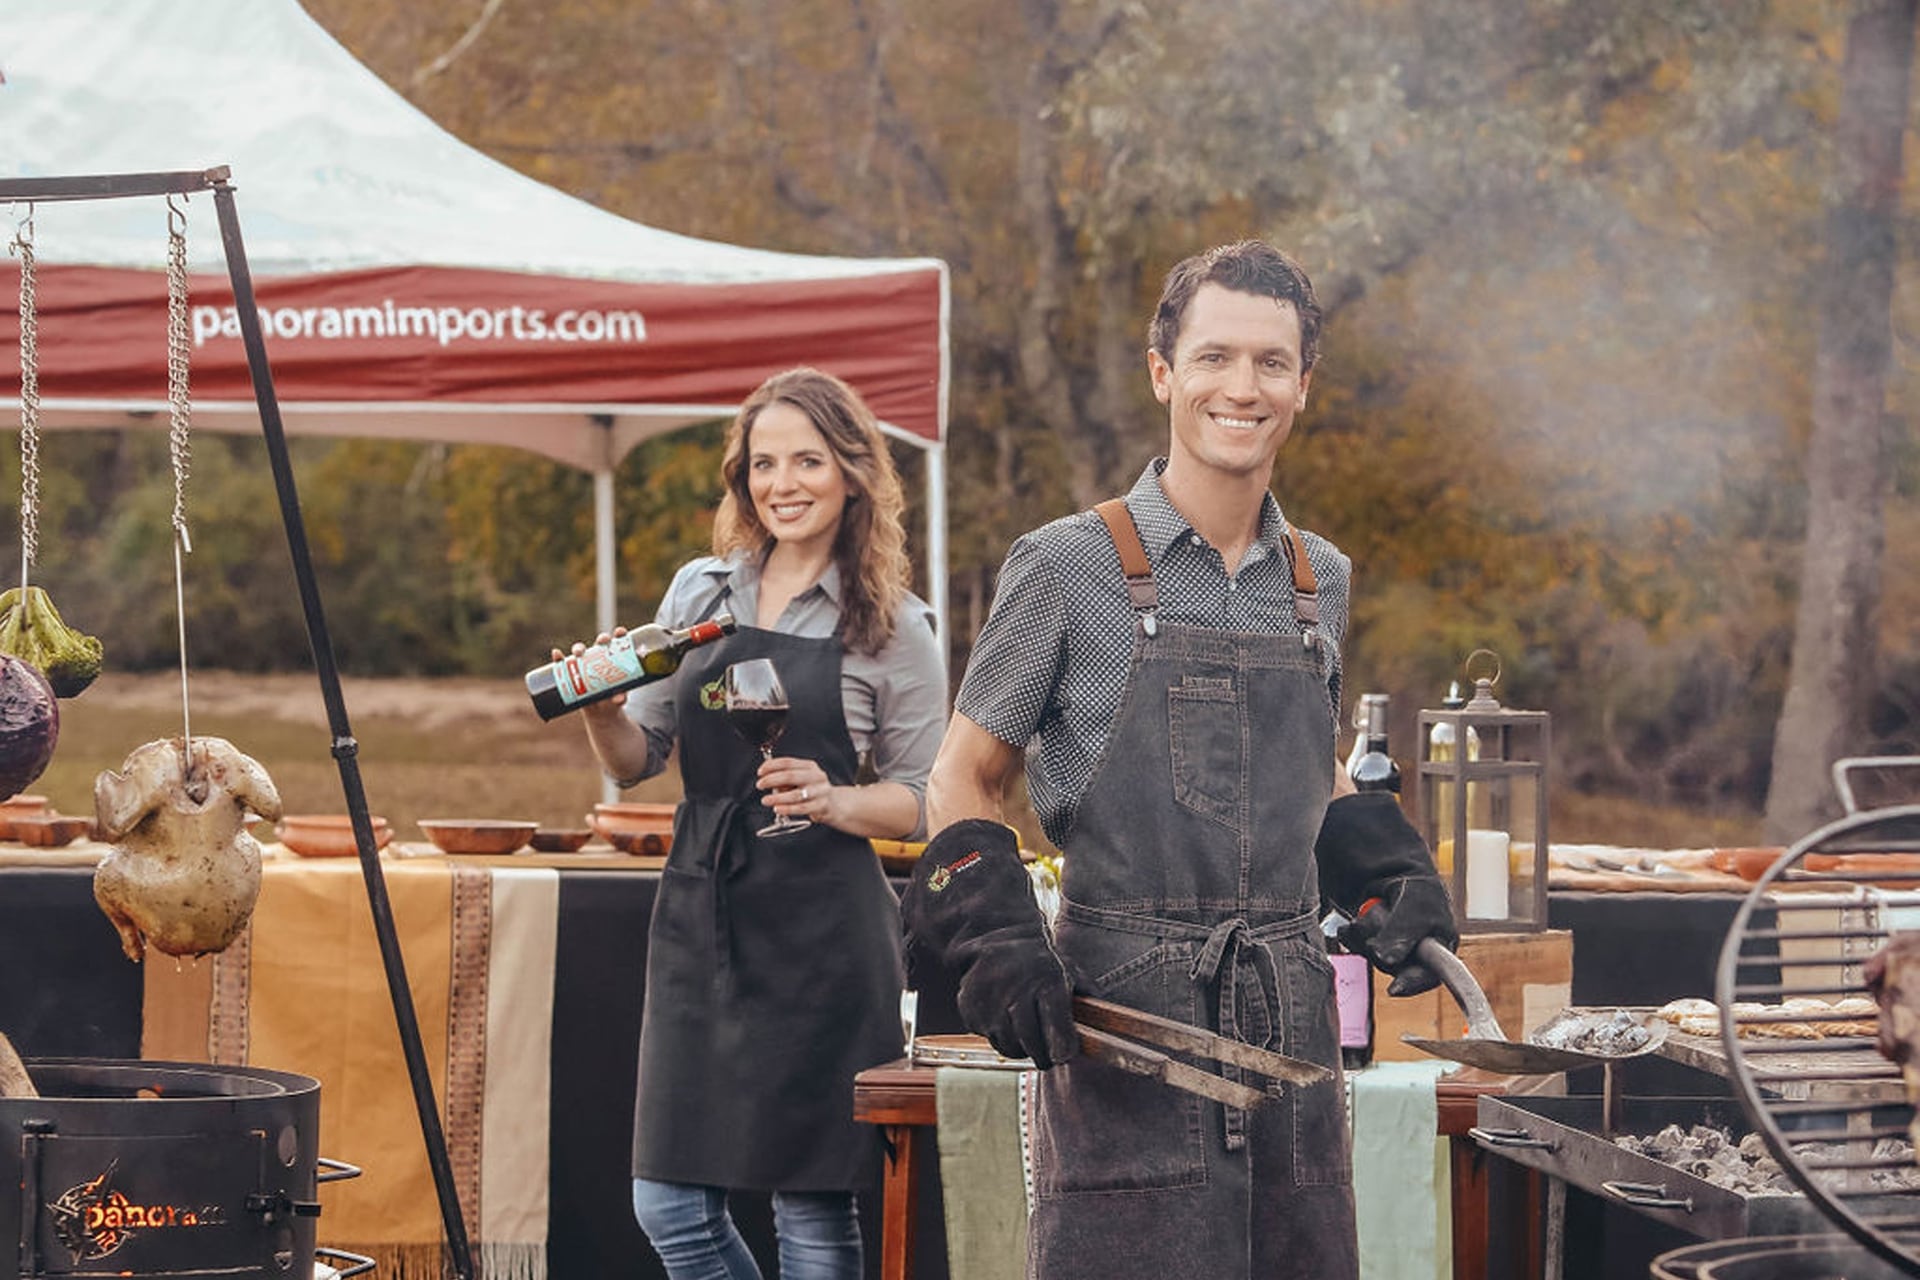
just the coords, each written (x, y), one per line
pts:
(1833, 1112)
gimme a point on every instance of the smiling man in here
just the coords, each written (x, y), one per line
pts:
(1168, 664)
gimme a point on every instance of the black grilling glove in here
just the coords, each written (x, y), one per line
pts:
(1375, 867)
(970, 905)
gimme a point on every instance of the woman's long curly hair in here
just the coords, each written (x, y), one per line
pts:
(871, 545)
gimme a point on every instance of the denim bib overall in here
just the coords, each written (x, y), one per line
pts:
(1191, 891)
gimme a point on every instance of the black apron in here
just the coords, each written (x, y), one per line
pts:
(773, 966)
(1191, 891)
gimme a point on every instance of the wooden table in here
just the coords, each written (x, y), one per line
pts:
(900, 1097)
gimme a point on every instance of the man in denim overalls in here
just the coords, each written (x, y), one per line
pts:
(1169, 667)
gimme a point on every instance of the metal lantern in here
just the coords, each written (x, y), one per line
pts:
(1483, 805)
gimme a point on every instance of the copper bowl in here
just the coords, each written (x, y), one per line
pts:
(651, 844)
(477, 835)
(48, 830)
(327, 835)
(634, 828)
(560, 839)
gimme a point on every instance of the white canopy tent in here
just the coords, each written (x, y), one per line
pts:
(410, 286)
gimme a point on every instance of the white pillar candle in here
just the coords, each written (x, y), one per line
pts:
(1487, 875)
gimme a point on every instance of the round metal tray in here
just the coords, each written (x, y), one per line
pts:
(1784, 1254)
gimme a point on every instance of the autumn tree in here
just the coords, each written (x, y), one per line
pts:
(1834, 649)
(1565, 250)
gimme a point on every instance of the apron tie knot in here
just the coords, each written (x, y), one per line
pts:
(1230, 944)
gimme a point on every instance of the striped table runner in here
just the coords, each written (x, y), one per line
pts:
(303, 990)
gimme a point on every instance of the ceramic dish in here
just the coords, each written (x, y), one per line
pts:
(634, 828)
(48, 830)
(327, 835)
(477, 835)
(560, 839)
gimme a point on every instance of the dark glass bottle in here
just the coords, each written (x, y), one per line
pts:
(626, 662)
(1352, 995)
(1373, 767)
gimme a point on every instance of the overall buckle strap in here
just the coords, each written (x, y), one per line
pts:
(1306, 587)
(1133, 561)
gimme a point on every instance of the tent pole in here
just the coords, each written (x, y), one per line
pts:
(603, 581)
(345, 749)
(937, 547)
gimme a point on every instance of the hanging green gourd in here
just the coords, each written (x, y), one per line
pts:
(29, 715)
(31, 629)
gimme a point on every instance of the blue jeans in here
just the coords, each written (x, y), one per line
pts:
(691, 1230)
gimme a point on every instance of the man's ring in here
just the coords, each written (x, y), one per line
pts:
(803, 794)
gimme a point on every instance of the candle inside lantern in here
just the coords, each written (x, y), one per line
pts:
(1487, 875)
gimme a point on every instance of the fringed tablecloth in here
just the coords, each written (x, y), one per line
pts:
(303, 990)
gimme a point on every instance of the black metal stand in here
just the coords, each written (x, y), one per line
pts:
(345, 749)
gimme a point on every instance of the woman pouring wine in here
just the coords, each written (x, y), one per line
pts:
(773, 972)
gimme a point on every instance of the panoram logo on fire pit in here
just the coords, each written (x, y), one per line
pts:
(95, 1218)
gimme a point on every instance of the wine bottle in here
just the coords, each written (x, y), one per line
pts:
(1375, 769)
(625, 662)
(1440, 750)
(1352, 995)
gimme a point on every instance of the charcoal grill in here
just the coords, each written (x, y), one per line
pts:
(1567, 1138)
(1834, 899)
(174, 1169)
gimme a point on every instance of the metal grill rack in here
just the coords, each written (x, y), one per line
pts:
(1834, 1112)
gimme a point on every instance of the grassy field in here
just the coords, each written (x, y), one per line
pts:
(427, 748)
(467, 748)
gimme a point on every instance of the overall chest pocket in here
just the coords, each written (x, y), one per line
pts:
(1100, 1130)
(1207, 733)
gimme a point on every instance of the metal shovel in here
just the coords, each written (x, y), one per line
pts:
(1486, 1045)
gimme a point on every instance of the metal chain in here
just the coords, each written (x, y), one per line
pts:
(22, 247)
(179, 365)
(179, 448)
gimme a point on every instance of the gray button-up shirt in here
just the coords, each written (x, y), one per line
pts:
(1050, 666)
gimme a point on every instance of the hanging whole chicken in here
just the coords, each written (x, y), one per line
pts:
(184, 872)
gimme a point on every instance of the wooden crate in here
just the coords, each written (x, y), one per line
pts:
(1528, 977)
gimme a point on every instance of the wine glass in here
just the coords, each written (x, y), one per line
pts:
(757, 710)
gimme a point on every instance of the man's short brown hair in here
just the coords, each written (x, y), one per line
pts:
(1246, 266)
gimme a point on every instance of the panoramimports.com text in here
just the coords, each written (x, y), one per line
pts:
(446, 325)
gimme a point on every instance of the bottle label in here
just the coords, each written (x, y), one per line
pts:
(582, 675)
(1352, 992)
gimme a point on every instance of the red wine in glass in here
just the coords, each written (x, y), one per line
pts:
(757, 710)
(762, 726)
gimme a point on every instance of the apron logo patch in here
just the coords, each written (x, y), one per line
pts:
(713, 695)
(943, 876)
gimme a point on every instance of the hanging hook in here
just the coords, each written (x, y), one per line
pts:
(23, 232)
(176, 217)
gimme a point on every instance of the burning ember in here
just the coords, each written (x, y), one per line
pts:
(1747, 1167)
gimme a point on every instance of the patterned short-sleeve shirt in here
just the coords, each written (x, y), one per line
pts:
(1050, 667)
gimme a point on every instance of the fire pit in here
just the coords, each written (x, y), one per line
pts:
(161, 1169)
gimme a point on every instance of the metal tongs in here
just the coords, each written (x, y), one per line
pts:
(1111, 1033)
